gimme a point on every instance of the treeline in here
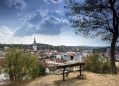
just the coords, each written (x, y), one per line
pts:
(58, 48)
(103, 49)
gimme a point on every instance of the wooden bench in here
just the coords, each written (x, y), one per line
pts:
(70, 65)
(59, 73)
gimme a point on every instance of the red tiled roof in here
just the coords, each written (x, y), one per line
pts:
(117, 55)
(2, 63)
(64, 61)
(46, 60)
(43, 64)
(53, 60)
(53, 68)
(59, 61)
(2, 58)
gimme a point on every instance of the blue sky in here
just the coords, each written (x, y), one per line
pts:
(22, 20)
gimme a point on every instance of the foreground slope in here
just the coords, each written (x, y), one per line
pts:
(89, 79)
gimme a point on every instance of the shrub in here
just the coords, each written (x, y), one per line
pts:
(0, 71)
(106, 67)
(38, 70)
(42, 70)
(20, 64)
(35, 72)
(97, 63)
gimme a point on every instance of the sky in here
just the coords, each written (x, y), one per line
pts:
(46, 20)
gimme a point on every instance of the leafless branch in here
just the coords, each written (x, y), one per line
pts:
(108, 23)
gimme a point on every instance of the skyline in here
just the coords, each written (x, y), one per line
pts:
(22, 20)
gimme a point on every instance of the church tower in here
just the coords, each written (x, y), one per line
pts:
(35, 45)
(34, 40)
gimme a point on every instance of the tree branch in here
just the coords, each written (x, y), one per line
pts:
(113, 2)
(108, 23)
(117, 8)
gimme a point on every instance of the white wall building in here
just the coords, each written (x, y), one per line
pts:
(58, 56)
(54, 51)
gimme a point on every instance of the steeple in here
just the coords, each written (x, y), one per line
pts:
(34, 40)
(35, 45)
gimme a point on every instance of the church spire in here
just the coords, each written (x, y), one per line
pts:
(34, 40)
(35, 45)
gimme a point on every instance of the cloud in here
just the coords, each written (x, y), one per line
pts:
(19, 14)
(5, 32)
(19, 4)
(28, 16)
(36, 19)
(43, 13)
(56, 1)
(65, 21)
(26, 30)
(52, 1)
(58, 14)
(46, 1)
(40, 14)
(22, 20)
(50, 26)
(43, 22)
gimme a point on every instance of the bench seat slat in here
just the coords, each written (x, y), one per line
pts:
(67, 72)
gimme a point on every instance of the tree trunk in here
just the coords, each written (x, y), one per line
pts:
(112, 54)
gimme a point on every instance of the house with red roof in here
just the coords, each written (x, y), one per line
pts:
(44, 64)
(51, 70)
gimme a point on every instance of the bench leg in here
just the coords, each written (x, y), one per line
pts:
(63, 74)
(80, 70)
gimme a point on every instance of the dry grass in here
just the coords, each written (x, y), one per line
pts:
(89, 79)
(23, 83)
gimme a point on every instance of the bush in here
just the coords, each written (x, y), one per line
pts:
(97, 63)
(46, 73)
(42, 70)
(38, 70)
(0, 71)
(106, 67)
(20, 64)
(35, 72)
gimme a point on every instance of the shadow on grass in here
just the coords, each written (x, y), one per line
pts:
(70, 81)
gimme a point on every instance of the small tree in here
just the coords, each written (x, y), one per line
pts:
(97, 63)
(38, 70)
(20, 64)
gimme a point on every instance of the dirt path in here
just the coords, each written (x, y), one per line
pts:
(91, 79)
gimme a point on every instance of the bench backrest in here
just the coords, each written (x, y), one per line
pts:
(70, 65)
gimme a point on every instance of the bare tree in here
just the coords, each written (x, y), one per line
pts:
(94, 18)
